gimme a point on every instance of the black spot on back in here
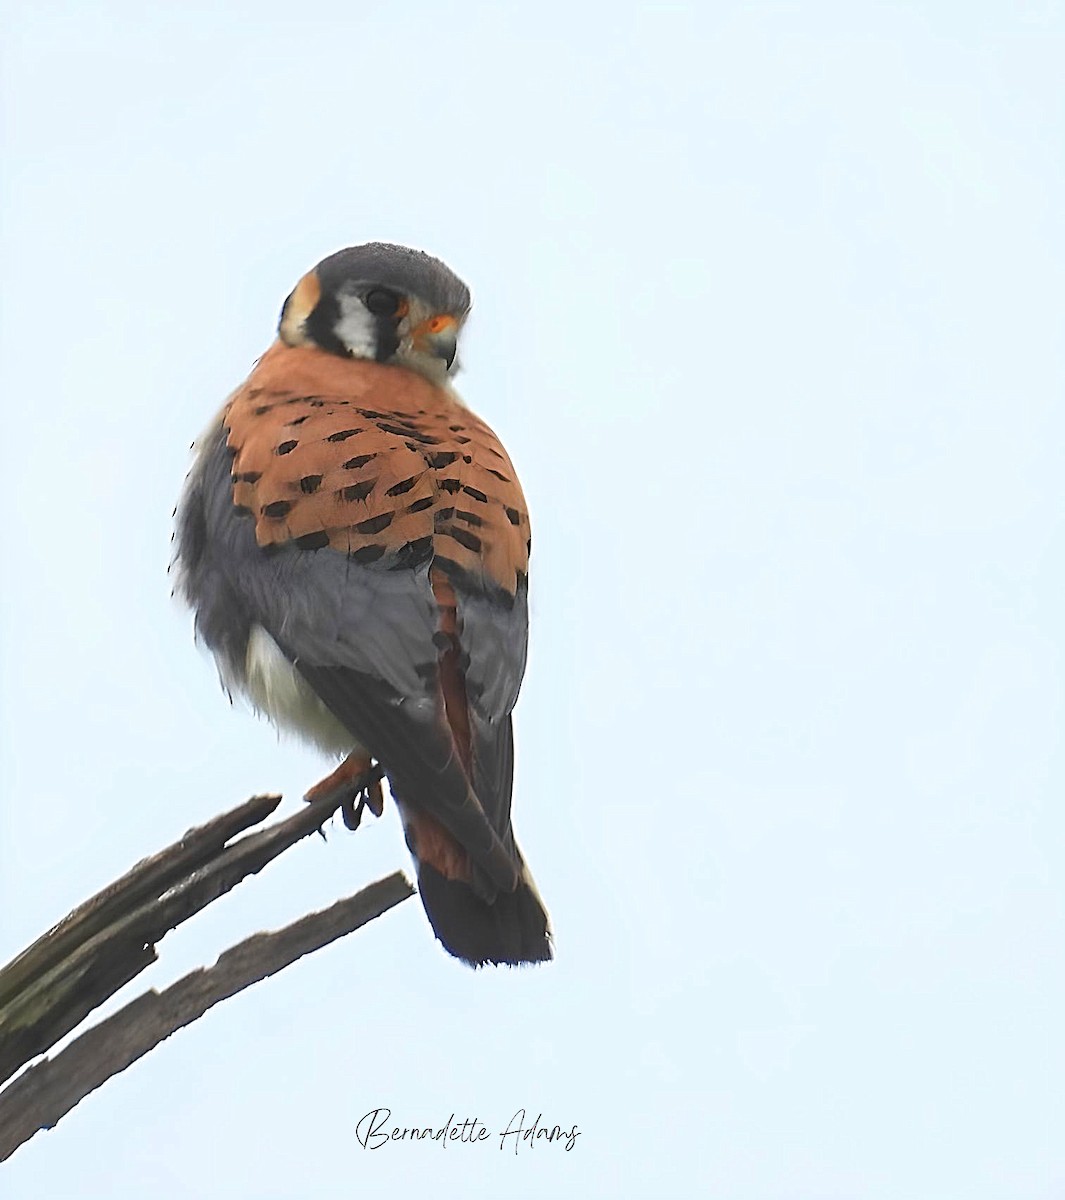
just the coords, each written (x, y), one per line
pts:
(287, 447)
(375, 524)
(414, 553)
(405, 431)
(470, 540)
(360, 460)
(277, 509)
(342, 435)
(313, 541)
(366, 554)
(359, 491)
(404, 485)
(310, 483)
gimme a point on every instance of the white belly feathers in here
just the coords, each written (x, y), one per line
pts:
(277, 690)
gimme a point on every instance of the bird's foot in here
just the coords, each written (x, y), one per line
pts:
(356, 785)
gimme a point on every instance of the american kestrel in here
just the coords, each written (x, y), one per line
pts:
(355, 545)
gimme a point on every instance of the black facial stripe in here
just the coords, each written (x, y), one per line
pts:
(320, 326)
(387, 338)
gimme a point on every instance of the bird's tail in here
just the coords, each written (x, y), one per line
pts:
(512, 928)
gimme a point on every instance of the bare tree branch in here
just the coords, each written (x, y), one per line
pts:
(104, 943)
(53, 984)
(50, 1089)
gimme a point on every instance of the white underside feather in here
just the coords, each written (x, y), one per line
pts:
(276, 689)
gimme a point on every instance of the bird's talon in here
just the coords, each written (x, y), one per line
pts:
(352, 814)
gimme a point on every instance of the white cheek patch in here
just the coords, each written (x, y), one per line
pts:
(357, 328)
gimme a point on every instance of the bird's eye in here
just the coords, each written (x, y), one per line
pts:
(381, 302)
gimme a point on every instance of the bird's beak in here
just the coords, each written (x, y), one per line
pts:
(438, 335)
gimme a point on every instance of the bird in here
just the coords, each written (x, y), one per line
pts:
(354, 544)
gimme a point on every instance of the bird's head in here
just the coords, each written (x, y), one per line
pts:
(382, 302)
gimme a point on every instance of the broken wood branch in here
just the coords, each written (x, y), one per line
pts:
(49, 989)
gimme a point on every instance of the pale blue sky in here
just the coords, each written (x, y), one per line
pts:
(768, 310)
